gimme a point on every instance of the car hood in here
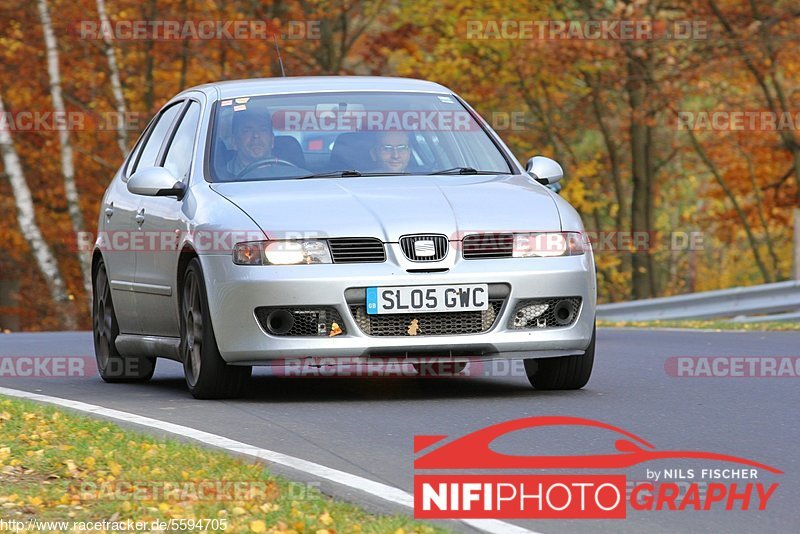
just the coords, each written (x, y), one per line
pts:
(387, 207)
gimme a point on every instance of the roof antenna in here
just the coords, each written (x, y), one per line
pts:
(278, 50)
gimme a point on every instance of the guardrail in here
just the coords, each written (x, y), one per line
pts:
(739, 303)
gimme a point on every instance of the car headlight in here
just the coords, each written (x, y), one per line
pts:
(281, 252)
(549, 244)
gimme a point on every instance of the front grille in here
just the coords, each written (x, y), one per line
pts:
(357, 250)
(484, 246)
(424, 247)
(428, 324)
(556, 312)
(305, 321)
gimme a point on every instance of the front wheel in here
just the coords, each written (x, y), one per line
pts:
(564, 372)
(207, 374)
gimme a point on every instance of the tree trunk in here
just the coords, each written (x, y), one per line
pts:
(649, 167)
(640, 203)
(613, 155)
(67, 166)
(223, 44)
(116, 85)
(149, 84)
(184, 8)
(276, 11)
(44, 257)
(759, 207)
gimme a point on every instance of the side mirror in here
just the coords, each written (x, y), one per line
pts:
(544, 170)
(156, 182)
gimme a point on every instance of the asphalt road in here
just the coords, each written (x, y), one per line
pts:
(365, 426)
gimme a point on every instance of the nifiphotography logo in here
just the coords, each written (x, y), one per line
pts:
(443, 491)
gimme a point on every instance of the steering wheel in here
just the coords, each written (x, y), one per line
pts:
(263, 163)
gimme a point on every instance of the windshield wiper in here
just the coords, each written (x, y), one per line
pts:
(349, 173)
(465, 170)
(381, 173)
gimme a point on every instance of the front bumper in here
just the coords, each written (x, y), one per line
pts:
(234, 291)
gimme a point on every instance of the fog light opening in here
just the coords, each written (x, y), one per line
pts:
(280, 322)
(564, 312)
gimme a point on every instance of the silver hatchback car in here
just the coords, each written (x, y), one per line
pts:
(316, 219)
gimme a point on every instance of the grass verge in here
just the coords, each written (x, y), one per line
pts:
(767, 326)
(59, 466)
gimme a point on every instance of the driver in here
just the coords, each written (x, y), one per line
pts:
(391, 152)
(253, 138)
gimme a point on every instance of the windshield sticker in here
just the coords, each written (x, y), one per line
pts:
(226, 103)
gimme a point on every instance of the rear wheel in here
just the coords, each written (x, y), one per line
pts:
(565, 372)
(207, 374)
(111, 365)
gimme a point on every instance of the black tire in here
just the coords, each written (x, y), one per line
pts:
(439, 368)
(565, 372)
(111, 365)
(207, 375)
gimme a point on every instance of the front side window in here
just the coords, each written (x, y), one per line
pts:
(348, 134)
(179, 153)
(153, 145)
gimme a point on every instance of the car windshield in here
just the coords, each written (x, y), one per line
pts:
(347, 134)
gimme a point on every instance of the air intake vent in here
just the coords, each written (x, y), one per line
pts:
(484, 246)
(424, 247)
(357, 250)
(428, 324)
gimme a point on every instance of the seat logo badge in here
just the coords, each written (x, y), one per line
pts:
(413, 328)
(424, 248)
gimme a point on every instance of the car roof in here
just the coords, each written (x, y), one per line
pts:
(312, 84)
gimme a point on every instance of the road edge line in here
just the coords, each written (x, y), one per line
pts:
(376, 489)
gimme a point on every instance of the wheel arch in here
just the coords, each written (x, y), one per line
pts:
(187, 254)
(97, 258)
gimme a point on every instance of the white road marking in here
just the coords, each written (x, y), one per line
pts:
(383, 491)
(686, 329)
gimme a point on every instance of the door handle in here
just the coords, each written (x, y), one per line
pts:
(109, 210)
(140, 217)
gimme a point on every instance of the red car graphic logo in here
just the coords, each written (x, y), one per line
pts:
(473, 450)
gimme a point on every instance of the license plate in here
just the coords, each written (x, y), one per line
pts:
(415, 299)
